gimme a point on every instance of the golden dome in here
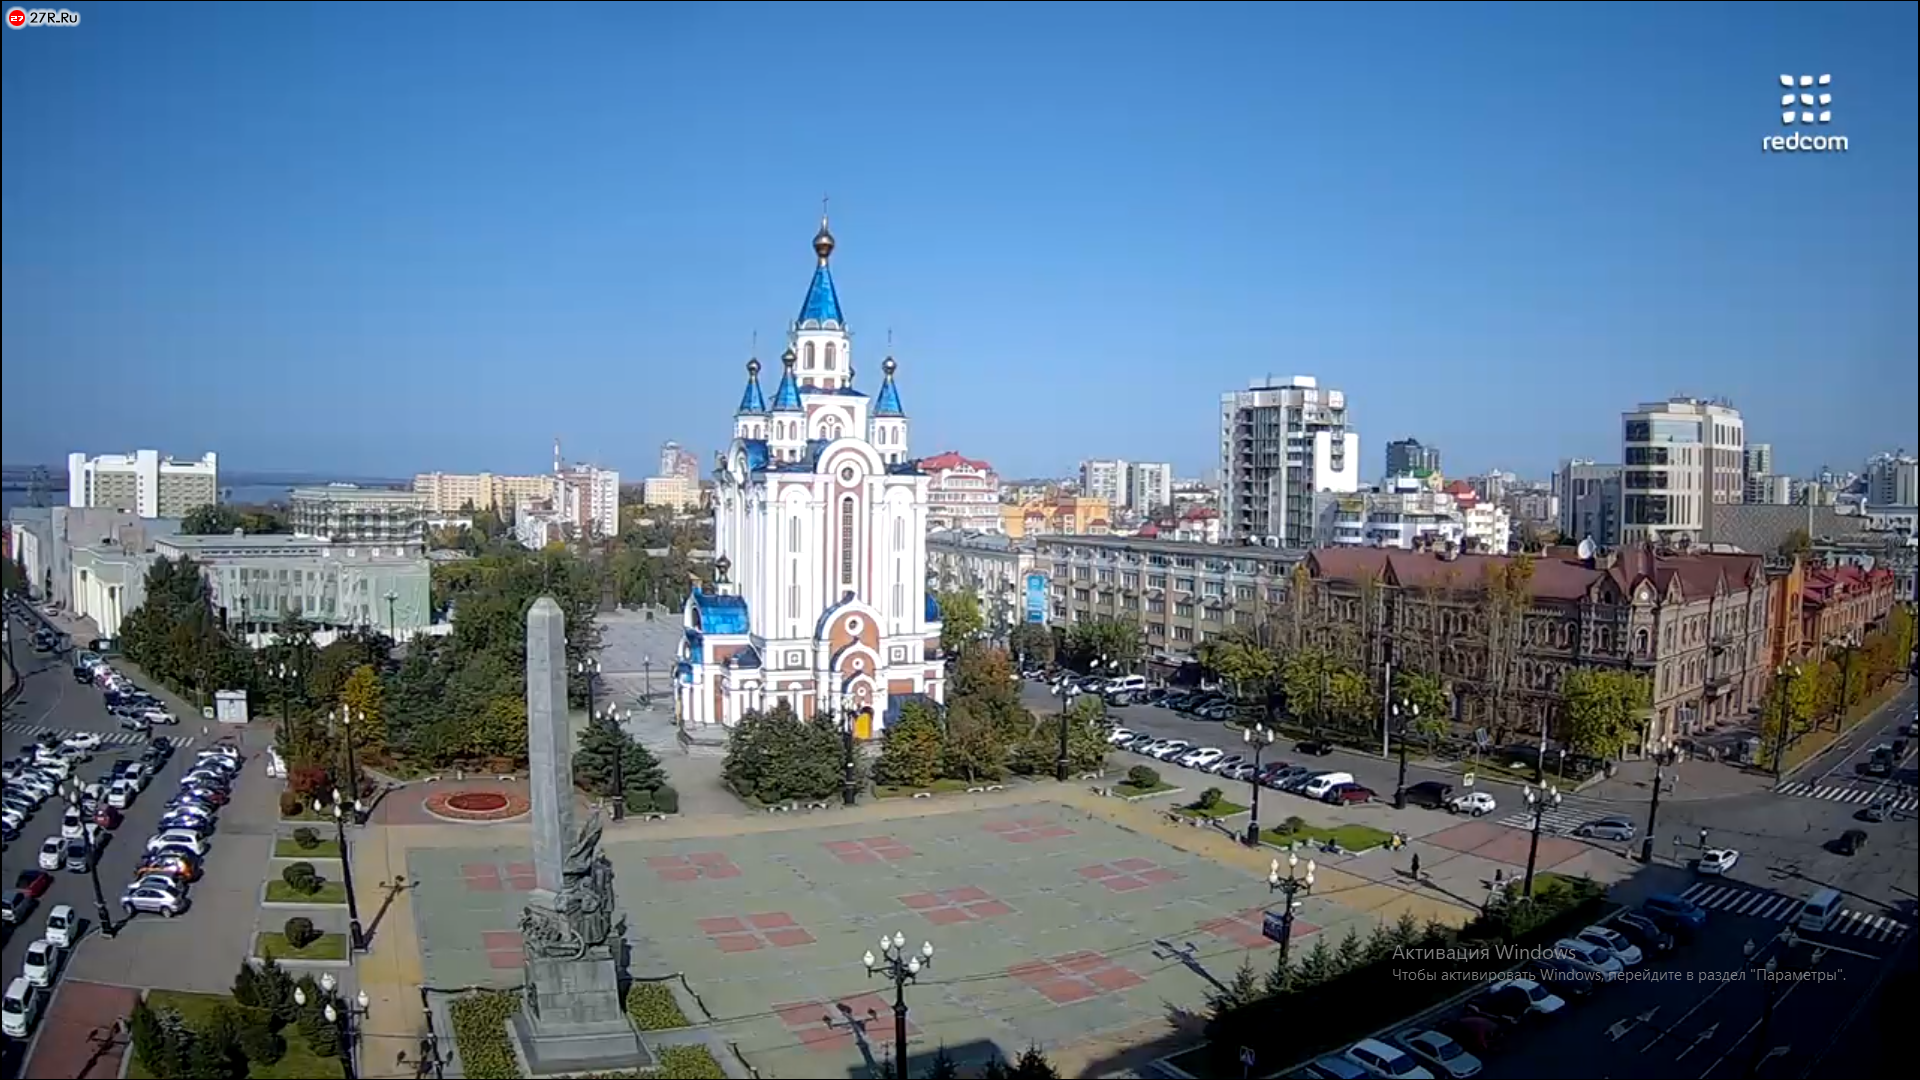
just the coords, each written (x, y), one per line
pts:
(753, 369)
(823, 240)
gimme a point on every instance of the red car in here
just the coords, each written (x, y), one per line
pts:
(34, 883)
(106, 817)
(1347, 794)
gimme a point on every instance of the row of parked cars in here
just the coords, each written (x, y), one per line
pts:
(135, 708)
(179, 844)
(1326, 785)
(1575, 968)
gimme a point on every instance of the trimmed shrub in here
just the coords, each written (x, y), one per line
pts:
(302, 878)
(307, 839)
(261, 1044)
(653, 1008)
(1141, 776)
(291, 804)
(300, 932)
(666, 800)
(1211, 798)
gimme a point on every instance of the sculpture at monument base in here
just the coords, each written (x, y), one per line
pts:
(573, 1019)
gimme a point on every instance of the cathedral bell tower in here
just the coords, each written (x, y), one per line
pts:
(822, 347)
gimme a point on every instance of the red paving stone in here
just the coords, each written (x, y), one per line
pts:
(1129, 875)
(772, 920)
(732, 943)
(79, 1009)
(829, 1025)
(503, 949)
(710, 865)
(1096, 871)
(772, 928)
(725, 924)
(500, 939)
(1244, 928)
(950, 907)
(1027, 830)
(1134, 865)
(1075, 977)
(519, 869)
(868, 849)
(789, 938)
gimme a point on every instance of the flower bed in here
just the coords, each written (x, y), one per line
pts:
(485, 1046)
(653, 1008)
(477, 805)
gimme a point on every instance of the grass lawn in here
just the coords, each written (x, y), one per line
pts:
(330, 946)
(330, 892)
(299, 1062)
(286, 848)
(1130, 791)
(1350, 837)
(938, 787)
(1221, 809)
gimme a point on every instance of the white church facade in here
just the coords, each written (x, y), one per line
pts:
(820, 523)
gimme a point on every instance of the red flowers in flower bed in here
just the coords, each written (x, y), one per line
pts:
(477, 805)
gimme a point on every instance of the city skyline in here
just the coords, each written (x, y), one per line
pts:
(467, 254)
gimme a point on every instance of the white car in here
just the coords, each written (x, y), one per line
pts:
(42, 960)
(56, 767)
(83, 740)
(1388, 1062)
(1201, 757)
(1116, 736)
(1475, 803)
(1540, 1000)
(120, 794)
(225, 753)
(53, 853)
(63, 926)
(1172, 749)
(40, 787)
(1614, 942)
(1589, 957)
(72, 825)
(147, 898)
(1718, 860)
(1441, 1054)
(183, 838)
(20, 1008)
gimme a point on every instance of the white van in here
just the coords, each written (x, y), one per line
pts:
(1126, 684)
(1819, 911)
(1325, 782)
(19, 1008)
(63, 926)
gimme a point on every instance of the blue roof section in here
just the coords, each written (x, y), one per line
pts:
(717, 614)
(757, 454)
(933, 608)
(888, 403)
(787, 397)
(696, 646)
(822, 306)
(752, 402)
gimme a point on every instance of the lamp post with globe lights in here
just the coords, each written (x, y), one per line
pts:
(72, 791)
(285, 674)
(1260, 736)
(356, 940)
(1293, 884)
(901, 965)
(344, 1014)
(345, 719)
(1539, 802)
(1405, 715)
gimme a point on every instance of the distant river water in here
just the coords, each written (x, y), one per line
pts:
(250, 494)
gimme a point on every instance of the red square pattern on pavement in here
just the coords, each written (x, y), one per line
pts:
(520, 877)
(950, 906)
(1128, 875)
(1027, 830)
(1075, 977)
(868, 849)
(503, 949)
(697, 866)
(1247, 929)
(773, 929)
(481, 877)
(829, 1025)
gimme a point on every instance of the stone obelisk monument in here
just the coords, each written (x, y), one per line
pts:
(573, 1020)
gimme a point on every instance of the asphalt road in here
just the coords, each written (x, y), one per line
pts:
(1702, 1012)
(51, 699)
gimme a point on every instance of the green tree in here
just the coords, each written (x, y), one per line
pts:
(1305, 678)
(1243, 662)
(960, 621)
(363, 702)
(1352, 953)
(985, 678)
(1793, 700)
(1350, 698)
(1111, 640)
(775, 757)
(912, 747)
(1320, 966)
(1031, 1065)
(1602, 712)
(1432, 712)
(602, 743)
(1506, 598)
(975, 749)
(1796, 543)
(1244, 990)
(1032, 642)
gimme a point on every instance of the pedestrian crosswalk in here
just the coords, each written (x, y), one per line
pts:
(1803, 790)
(1558, 820)
(30, 732)
(1766, 904)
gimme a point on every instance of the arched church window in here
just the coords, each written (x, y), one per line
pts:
(830, 355)
(793, 533)
(846, 540)
(806, 352)
(899, 534)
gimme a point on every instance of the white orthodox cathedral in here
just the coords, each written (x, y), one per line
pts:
(820, 522)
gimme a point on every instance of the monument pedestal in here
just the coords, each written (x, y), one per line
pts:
(573, 1020)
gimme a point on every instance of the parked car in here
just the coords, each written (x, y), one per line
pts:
(41, 963)
(1606, 828)
(177, 838)
(14, 910)
(107, 817)
(1475, 803)
(1172, 749)
(63, 926)
(1614, 942)
(1717, 860)
(79, 857)
(1430, 793)
(34, 883)
(1644, 932)
(20, 1007)
(1564, 977)
(1350, 795)
(1674, 914)
(1201, 757)
(1440, 1053)
(1387, 1061)
(1476, 1033)
(53, 853)
(1313, 747)
(151, 899)
(1529, 996)
(179, 866)
(1590, 957)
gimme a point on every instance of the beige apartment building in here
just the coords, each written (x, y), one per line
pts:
(449, 493)
(1180, 594)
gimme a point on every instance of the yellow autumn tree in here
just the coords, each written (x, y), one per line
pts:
(364, 699)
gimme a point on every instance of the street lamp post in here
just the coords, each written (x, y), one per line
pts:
(1764, 971)
(1663, 758)
(1259, 737)
(71, 790)
(618, 717)
(343, 1014)
(589, 671)
(346, 718)
(356, 940)
(902, 966)
(646, 680)
(1538, 803)
(286, 674)
(1788, 672)
(1405, 715)
(1292, 885)
(1847, 644)
(849, 787)
(391, 597)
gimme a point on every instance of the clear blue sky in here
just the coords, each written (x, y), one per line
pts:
(390, 238)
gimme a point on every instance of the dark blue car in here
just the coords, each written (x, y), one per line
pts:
(1674, 914)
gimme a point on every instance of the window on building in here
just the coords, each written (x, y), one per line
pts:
(793, 598)
(1184, 611)
(1210, 614)
(830, 356)
(1156, 581)
(1130, 580)
(806, 352)
(846, 540)
(899, 534)
(1184, 584)
(899, 598)
(1183, 633)
(1080, 595)
(793, 533)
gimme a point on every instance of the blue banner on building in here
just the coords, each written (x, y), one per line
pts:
(1037, 598)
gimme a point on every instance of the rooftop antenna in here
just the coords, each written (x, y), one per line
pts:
(753, 350)
(557, 470)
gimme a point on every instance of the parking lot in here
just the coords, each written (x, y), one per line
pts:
(202, 947)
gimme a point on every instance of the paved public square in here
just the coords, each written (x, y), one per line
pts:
(1049, 925)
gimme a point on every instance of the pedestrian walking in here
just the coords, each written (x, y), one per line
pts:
(1416, 866)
